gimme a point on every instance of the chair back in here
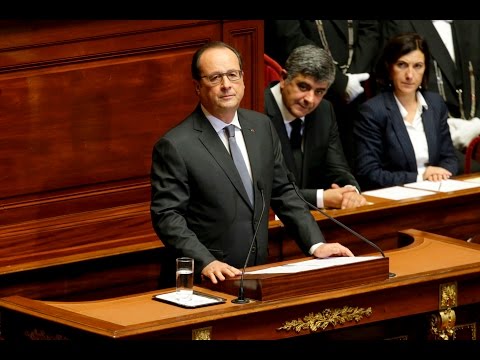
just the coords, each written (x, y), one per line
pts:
(472, 152)
(273, 70)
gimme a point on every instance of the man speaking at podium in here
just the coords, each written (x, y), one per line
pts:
(212, 183)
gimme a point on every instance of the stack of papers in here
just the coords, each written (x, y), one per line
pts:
(443, 186)
(313, 264)
(397, 193)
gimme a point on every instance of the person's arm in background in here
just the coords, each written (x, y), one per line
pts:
(366, 48)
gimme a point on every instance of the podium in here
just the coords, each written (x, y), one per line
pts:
(432, 272)
(278, 285)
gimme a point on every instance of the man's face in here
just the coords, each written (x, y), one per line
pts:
(302, 94)
(221, 99)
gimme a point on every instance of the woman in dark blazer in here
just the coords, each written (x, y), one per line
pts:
(402, 134)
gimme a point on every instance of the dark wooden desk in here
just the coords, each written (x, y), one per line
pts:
(114, 252)
(436, 278)
(455, 214)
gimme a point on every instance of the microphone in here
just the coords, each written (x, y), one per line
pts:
(291, 179)
(241, 295)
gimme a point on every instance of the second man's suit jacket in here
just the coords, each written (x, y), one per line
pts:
(324, 162)
(385, 154)
(199, 205)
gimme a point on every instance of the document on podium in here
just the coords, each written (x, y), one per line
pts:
(443, 185)
(398, 193)
(474, 180)
(312, 264)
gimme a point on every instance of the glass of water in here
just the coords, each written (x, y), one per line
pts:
(184, 289)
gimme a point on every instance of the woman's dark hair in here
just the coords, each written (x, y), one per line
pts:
(395, 48)
(212, 44)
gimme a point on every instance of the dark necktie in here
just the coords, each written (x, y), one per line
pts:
(295, 135)
(296, 145)
(239, 161)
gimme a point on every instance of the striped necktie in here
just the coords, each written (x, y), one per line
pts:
(239, 161)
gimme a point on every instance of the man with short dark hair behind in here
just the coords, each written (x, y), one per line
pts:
(318, 162)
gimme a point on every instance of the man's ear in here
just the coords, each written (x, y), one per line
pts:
(284, 74)
(197, 86)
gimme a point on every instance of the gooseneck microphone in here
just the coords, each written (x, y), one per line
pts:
(291, 179)
(241, 291)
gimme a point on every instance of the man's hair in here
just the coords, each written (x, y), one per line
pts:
(311, 60)
(212, 44)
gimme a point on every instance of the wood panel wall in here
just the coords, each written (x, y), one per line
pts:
(82, 103)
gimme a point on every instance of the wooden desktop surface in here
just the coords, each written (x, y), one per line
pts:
(421, 267)
(455, 214)
(115, 252)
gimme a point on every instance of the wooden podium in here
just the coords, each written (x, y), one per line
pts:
(435, 275)
(284, 285)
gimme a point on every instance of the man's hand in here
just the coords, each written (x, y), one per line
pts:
(332, 249)
(345, 197)
(219, 271)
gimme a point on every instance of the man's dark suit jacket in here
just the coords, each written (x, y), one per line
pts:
(385, 154)
(323, 158)
(466, 37)
(199, 205)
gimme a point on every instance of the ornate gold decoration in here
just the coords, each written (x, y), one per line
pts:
(472, 327)
(321, 320)
(448, 295)
(442, 325)
(202, 333)
(37, 334)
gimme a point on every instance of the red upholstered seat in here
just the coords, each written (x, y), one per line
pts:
(470, 153)
(273, 70)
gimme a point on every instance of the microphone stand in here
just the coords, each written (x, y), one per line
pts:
(291, 178)
(241, 291)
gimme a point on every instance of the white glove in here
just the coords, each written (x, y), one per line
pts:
(354, 88)
(463, 131)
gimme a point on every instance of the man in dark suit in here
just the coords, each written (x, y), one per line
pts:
(321, 170)
(454, 74)
(354, 46)
(200, 205)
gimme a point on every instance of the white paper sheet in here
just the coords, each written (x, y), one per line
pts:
(198, 299)
(444, 185)
(312, 264)
(474, 180)
(397, 193)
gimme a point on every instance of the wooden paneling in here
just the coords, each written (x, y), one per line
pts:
(83, 102)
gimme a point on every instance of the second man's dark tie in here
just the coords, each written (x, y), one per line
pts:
(239, 161)
(296, 145)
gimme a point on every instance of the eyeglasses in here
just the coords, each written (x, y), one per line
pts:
(217, 78)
